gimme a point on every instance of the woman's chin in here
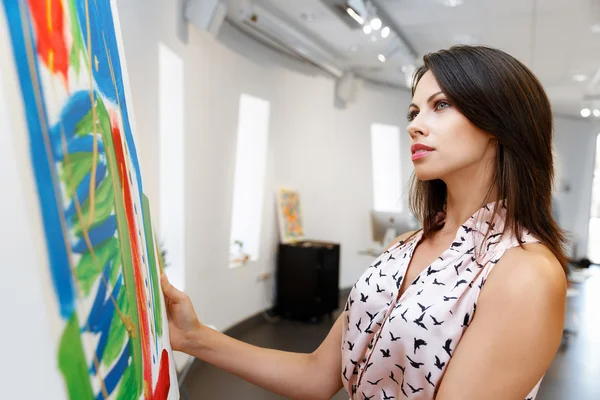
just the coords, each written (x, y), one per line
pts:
(423, 174)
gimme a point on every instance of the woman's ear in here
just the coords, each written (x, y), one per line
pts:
(493, 142)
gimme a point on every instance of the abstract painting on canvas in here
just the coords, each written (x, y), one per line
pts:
(72, 114)
(289, 215)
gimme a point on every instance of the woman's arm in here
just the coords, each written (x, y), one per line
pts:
(293, 375)
(516, 332)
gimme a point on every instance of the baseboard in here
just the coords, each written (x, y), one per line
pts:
(237, 330)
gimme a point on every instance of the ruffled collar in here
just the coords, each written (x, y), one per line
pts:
(483, 221)
(483, 230)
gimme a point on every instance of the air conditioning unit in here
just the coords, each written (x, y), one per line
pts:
(264, 25)
(260, 20)
(206, 15)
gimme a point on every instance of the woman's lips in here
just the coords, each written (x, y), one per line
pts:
(420, 150)
(420, 154)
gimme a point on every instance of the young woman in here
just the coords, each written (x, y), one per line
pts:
(472, 305)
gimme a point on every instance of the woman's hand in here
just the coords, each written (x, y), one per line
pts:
(183, 321)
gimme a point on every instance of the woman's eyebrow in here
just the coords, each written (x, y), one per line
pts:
(428, 100)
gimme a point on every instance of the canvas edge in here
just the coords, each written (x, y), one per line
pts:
(174, 388)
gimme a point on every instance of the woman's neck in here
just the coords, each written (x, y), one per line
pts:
(464, 197)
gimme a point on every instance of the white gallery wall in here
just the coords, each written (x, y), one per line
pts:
(322, 151)
(575, 147)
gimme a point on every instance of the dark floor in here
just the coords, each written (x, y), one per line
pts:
(574, 375)
(575, 372)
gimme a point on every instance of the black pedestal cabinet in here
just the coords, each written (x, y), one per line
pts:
(307, 279)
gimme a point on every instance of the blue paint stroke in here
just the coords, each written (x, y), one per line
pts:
(42, 167)
(74, 110)
(97, 234)
(102, 313)
(113, 378)
(100, 15)
(84, 144)
(76, 107)
(102, 310)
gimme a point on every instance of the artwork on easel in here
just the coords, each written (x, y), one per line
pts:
(290, 216)
(73, 116)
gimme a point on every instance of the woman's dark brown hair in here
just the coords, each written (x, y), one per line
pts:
(499, 95)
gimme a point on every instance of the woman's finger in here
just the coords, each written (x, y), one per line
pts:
(169, 290)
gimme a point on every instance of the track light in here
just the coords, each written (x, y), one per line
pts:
(375, 24)
(355, 16)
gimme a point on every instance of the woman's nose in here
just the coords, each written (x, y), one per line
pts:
(417, 127)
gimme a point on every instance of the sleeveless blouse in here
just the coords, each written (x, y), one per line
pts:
(394, 348)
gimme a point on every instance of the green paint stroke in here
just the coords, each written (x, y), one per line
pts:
(72, 362)
(103, 207)
(117, 333)
(77, 49)
(135, 370)
(116, 268)
(80, 164)
(129, 285)
(127, 388)
(85, 126)
(153, 266)
(104, 126)
(88, 271)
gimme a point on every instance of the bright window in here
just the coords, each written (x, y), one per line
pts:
(171, 234)
(594, 228)
(249, 179)
(385, 152)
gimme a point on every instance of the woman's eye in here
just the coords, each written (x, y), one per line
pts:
(411, 116)
(440, 105)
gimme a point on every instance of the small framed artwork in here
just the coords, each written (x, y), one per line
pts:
(290, 215)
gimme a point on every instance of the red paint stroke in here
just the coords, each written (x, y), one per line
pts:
(48, 20)
(161, 391)
(142, 301)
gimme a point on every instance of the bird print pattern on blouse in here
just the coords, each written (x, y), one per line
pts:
(395, 348)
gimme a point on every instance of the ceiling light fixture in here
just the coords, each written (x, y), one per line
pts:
(376, 24)
(381, 58)
(367, 29)
(355, 15)
(585, 112)
(596, 112)
(452, 3)
(579, 78)
(385, 32)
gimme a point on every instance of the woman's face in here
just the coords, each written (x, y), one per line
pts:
(444, 142)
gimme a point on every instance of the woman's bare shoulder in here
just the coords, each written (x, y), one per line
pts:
(528, 271)
(536, 262)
